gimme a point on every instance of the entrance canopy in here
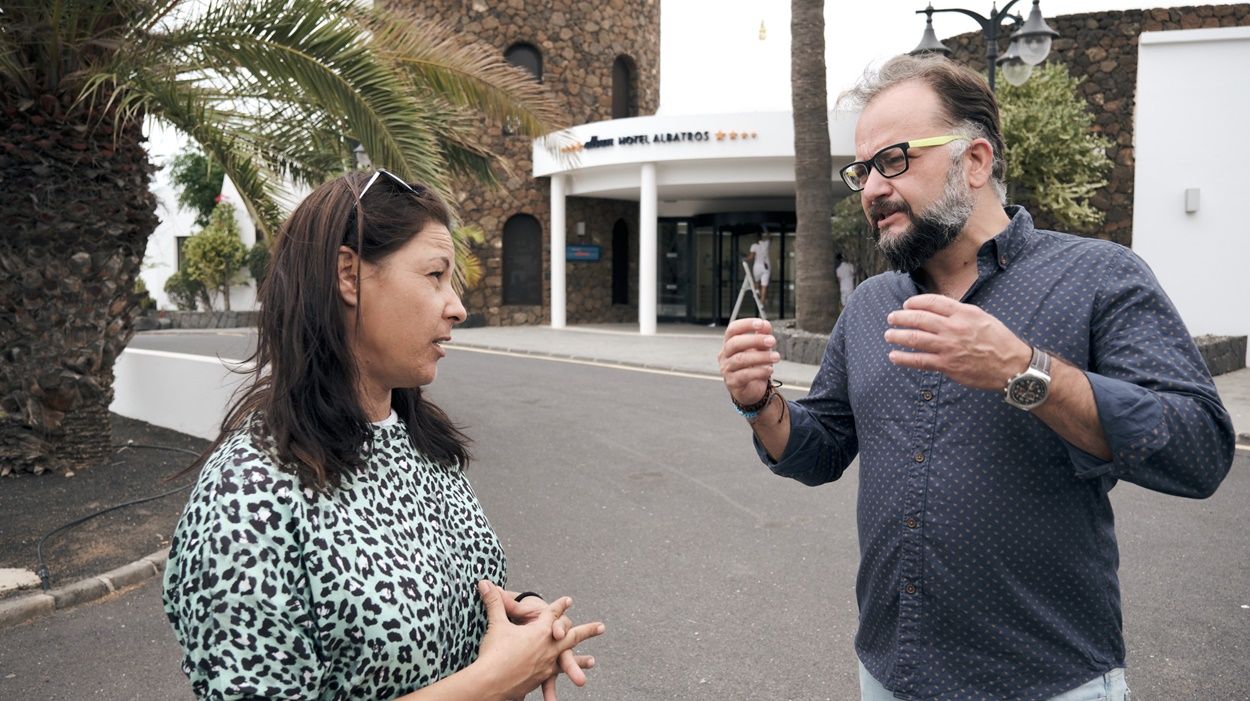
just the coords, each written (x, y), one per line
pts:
(704, 163)
(675, 166)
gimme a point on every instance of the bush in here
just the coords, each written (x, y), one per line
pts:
(184, 291)
(1055, 161)
(142, 297)
(258, 261)
(215, 256)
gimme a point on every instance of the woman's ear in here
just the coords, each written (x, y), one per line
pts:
(980, 162)
(347, 270)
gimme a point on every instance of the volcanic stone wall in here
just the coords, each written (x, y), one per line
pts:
(579, 43)
(1102, 48)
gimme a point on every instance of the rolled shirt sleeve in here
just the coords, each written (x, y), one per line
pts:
(1157, 404)
(822, 428)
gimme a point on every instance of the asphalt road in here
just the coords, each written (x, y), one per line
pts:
(638, 495)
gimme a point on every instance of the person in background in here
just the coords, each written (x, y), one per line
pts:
(845, 272)
(332, 547)
(761, 266)
(996, 385)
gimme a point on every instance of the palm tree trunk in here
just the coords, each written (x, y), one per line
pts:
(813, 169)
(76, 219)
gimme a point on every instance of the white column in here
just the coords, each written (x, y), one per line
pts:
(647, 235)
(558, 292)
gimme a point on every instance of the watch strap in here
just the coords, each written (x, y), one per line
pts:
(1040, 361)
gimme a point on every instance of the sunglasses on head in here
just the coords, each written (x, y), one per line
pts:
(394, 178)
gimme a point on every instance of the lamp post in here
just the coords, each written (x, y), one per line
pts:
(1030, 44)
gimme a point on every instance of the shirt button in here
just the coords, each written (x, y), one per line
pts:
(927, 395)
(910, 588)
(919, 457)
(910, 522)
(1002, 261)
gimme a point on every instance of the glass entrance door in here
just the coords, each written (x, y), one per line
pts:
(701, 265)
(706, 273)
(674, 266)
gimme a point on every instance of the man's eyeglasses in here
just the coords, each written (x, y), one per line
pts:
(394, 178)
(890, 161)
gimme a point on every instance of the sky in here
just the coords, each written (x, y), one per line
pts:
(712, 59)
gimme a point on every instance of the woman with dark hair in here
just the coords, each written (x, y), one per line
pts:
(332, 547)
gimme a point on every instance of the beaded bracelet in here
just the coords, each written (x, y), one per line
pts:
(750, 412)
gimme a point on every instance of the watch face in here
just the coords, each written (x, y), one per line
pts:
(1027, 391)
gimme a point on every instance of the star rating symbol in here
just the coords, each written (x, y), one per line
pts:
(720, 136)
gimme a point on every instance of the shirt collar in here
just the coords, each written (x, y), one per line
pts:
(1004, 248)
(1000, 250)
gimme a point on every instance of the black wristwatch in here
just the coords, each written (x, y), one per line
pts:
(1029, 389)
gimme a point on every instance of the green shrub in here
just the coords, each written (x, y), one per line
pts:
(1055, 160)
(258, 261)
(184, 291)
(142, 297)
(215, 256)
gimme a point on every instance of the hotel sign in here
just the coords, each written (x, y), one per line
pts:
(668, 137)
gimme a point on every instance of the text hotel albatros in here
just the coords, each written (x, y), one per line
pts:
(661, 138)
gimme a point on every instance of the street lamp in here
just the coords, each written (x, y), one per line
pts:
(1030, 44)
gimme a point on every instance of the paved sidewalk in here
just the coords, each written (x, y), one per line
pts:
(675, 347)
(693, 349)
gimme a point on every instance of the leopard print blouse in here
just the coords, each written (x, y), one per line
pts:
(277, 592)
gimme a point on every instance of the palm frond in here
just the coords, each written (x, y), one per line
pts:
(309, 51)
(468, 265)
(277, 89)
(437, 59)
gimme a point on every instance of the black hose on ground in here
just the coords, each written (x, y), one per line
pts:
(45, 579)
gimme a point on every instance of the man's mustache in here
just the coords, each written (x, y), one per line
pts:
(882, 208)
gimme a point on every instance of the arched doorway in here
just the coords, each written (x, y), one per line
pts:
(522, 260)
(624, 88)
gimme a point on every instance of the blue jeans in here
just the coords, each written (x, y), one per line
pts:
(1109, 687)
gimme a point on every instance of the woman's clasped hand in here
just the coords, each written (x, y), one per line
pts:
(529, 642)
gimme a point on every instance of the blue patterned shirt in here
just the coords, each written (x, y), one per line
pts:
(987, 544)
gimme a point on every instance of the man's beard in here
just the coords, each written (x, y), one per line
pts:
(933, 230)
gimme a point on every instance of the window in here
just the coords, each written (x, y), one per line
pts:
(526, 56)
(522, 261)
(624, 88)
(179, 242)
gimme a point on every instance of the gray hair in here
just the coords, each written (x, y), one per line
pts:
(967, 102)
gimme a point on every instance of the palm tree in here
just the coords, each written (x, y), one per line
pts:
(269, 89)
(813, 169)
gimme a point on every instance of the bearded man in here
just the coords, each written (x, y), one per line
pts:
(995, 387)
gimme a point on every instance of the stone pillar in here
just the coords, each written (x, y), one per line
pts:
(647, 247)
(558, 287)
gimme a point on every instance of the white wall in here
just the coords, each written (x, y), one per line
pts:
(1193, 131)
(186, 393)
(161, 258)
